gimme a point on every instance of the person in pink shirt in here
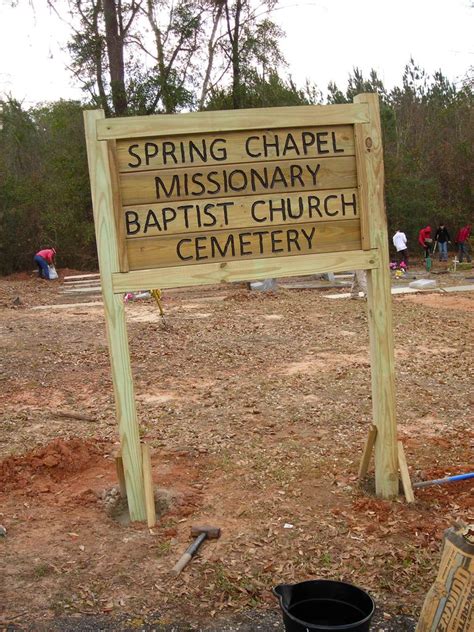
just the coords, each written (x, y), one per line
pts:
(43, 259)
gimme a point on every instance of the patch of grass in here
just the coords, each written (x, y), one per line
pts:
(325, 559)
(223, 582)
(226, 462)
(163, 548)
(42, 570)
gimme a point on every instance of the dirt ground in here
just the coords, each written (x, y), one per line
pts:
(257, 408)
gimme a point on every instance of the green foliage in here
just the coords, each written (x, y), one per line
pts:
(44, 185)
(428, 147)
(45, 194)
(258, 92)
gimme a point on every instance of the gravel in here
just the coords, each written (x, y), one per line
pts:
(251, 621)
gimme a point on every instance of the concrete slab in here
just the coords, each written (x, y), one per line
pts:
(69, 305)
(313, 285)
(82, 290)
(410, 290)
(459, 288)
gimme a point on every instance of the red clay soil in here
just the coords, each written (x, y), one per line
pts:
(256, 408)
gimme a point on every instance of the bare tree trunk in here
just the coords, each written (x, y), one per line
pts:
(98, 52)
(234, 35)
(160, 60)
(236, 83)
(114, 42)
(210, 59)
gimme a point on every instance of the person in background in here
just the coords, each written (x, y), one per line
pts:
(425, 240)
(359, 284)
(43, 259)
(462, 239)
(443, 239)
(400, 243)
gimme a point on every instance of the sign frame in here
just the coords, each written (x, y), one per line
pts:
(116, 277)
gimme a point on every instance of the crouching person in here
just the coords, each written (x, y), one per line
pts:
(43, 259)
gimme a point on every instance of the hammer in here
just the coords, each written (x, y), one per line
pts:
(202, 532)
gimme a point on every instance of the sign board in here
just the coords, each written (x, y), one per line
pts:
(211, 197)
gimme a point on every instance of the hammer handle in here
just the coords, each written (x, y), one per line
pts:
(188, 554)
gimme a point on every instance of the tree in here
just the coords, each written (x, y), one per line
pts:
(146, 56)
(259, 92)
(250, 42)
(44, 188)
(101, 32)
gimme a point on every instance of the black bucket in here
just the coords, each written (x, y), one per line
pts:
(326, 605)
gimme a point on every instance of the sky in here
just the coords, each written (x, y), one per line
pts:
(325, 40)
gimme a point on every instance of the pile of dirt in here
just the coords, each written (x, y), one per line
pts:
(55, 460)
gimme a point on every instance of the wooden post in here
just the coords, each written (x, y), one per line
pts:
(148, 484)
(369, 446)
(370, 164)
(106, 236)
(120, 475)
(405, 475)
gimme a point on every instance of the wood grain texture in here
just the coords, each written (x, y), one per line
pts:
(196, 150)
(360, 152)
(258, 243)
(117, 206)
(231, 120)
(369, 446)
(240, 212)
(210, 273)
(148, 486)
(106, 237)
(405, 475)
(208, 182)
(380, 309)
(120, 475)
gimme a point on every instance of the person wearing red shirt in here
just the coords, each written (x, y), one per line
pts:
(425, 241)
(462, 239)
(43, 259)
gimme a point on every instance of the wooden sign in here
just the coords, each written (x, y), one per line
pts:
(213, 197)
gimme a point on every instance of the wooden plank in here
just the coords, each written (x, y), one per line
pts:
(148, 485)
(80, 276)
(224, 245)
(361, 149)
(82, 283)
(369, 446)
(234, 147)
(380, 310)
(106, 238)
(211, 182)
(231, 120)
(68, 305)
(149, 220)
(117, 206)
(210, 273)
(83, 290)
(120, 475)
(405, 475)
